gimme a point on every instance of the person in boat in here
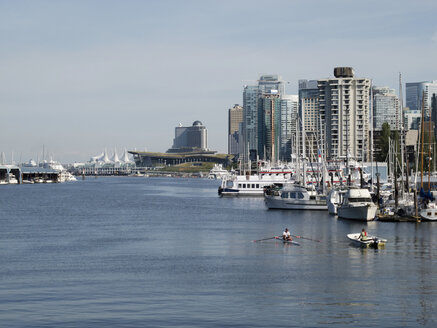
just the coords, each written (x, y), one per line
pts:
(286, 235)
(363, 235)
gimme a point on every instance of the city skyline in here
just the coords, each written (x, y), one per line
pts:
(79, 77)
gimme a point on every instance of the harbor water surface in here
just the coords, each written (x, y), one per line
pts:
(167, 252)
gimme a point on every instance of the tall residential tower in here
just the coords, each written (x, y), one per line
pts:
(344, 108)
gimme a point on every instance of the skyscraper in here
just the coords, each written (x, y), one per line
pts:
(344, 110)
(288, 125)
(309, 119)
(250, 119)
(414, 92)
(269, 117)
(267, 84)
(235, 121)
(386, 108)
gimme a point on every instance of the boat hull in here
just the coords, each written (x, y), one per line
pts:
(428, 214)
(290, 242)
(372, 241)
(361, 213)
(278, 203)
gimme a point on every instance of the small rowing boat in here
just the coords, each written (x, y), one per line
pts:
(371, 241)
(290, 242)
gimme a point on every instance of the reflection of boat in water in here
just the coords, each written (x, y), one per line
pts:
(357, 205)
(294, 197)
(371, 241)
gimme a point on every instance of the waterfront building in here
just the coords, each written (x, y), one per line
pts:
(190, 138)
(386, 108)
(344, 111)
(414, 93)
(266, 84)
(235, 122)
(250, 119)
(269, 128)
(412, 119)
(288, 125)
(309, 119)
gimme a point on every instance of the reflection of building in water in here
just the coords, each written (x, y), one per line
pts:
(190, 138)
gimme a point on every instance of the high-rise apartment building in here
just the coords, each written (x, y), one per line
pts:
(309, 120)
(344, 110)
(269, 126)
(235, 122)
(288, 125)
(250, 119)
(414, 93)
(386, 109)
(267, 84)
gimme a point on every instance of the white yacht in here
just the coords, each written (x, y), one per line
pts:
(249, 185)
(218, 172)
(254, 184)
(11, 179)
(357, 205)
(294, 197)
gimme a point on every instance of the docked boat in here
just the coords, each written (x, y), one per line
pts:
(218, 172)
(429, 213)
(294, 197)
(249, 185)
(255, 184)
(357, 205)
(11, 179)
(334, 199)
(371, 241)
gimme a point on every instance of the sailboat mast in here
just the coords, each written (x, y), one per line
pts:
(401, 128)
(429, 151)
(422, 140)
(371, 133)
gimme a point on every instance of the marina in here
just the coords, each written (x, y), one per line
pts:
(95, 255)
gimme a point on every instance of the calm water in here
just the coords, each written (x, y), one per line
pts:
(162, 252)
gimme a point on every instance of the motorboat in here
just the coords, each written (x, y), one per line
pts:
(249, 185)
(218, 172)
(357, 205)
(11, 179)
(294, 197)
(255, 184)
(370, 241)
(429, 213)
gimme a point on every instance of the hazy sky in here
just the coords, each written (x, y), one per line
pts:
(80, 76)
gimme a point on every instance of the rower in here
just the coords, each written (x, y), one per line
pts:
(286, 235)
(363, 235)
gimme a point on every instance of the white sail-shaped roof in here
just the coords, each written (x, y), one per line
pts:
(105, 158)
(97, 158)
(125, 157)
(115, 158)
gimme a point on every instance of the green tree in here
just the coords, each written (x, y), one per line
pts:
(383, 143)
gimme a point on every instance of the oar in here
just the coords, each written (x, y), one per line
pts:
(274, 237)
(306, 238)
